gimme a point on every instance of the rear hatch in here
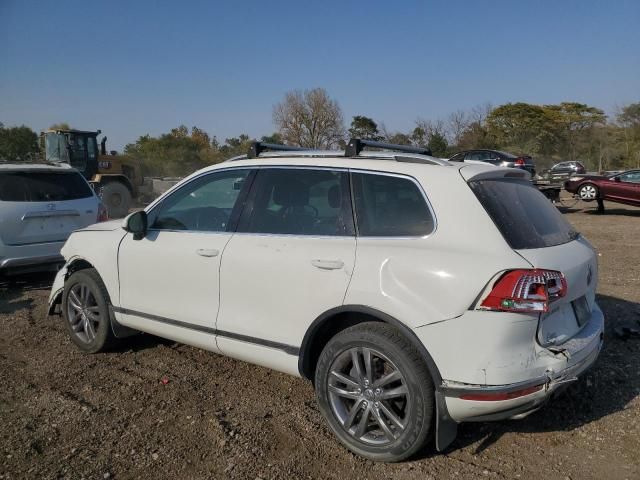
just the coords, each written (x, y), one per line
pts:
(538, 232)
(43, 205)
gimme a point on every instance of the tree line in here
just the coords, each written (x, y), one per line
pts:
(312, 119)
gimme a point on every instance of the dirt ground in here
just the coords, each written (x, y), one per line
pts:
(68, 415)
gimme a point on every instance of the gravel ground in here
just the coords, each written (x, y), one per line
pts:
(157, 409)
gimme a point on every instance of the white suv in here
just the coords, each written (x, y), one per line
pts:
(413, 292)
(40, 205)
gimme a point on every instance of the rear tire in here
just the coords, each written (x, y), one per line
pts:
(117, 198)
(375, 392)
(85, 309)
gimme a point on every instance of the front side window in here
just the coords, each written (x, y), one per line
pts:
(300, 201)
(205, 204)
(630, 177)
(388, 206)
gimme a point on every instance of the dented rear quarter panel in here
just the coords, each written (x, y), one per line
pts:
(431, 279)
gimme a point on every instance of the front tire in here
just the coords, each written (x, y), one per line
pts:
(375, 392)
(588, 192)
(117, 198)
(85, 309)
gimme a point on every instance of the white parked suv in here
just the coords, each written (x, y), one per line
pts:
(40, 205)
(413, 292)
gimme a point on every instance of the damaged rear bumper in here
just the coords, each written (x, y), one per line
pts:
(470, 402)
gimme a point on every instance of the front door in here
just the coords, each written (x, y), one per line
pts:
(626, 189)
(290, 261)
(169, 280)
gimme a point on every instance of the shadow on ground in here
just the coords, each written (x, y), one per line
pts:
(13, 288)
(615, 211)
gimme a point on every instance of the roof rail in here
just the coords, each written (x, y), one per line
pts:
(257, 148)
(356, 145)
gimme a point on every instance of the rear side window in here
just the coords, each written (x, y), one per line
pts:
(524, 216)
(43, 186)
(300, 201)
(388, 206)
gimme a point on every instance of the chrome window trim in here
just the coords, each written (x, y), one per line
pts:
(179, 186)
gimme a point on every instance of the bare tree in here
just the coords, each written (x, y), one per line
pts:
(431, 127)
(479, 113)
(309, 119)
(457, 124)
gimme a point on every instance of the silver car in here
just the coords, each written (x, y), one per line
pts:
(40, 205)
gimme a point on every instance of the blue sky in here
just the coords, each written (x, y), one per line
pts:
(137, 67)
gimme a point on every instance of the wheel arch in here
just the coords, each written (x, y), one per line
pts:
(337, 319)
(77, 264)
(333, 321)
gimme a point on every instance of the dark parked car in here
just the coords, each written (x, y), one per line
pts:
(497, 158)
(564, 170)
(621, 188)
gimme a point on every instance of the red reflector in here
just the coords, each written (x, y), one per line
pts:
(520, 161)
(103, 214)
(526, 291)
(498, 396)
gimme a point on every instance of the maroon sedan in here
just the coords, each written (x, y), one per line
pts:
(621, 188)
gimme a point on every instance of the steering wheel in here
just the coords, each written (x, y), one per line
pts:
(211, 219)
(288, 210)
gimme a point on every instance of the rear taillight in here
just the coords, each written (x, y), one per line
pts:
(526, 291)
(103, 214)
(520, 162)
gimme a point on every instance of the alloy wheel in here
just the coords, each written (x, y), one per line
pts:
(369, 396)
(83, 312)
(588, 192)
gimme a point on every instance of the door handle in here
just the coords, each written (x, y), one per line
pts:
(327, 264)
(207, 252)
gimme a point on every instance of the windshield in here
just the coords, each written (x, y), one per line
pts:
(56, 148)
(524, 216)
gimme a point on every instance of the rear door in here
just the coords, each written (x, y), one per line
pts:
(40, 206)
(290, 260)
(535, 229)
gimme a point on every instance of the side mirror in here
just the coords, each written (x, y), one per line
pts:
(136, 223)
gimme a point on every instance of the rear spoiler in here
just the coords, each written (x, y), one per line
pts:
(486, 172)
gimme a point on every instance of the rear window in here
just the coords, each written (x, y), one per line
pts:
(42, 186)
(524, 216)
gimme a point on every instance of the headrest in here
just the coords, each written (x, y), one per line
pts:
(291, 194)
(334, 196)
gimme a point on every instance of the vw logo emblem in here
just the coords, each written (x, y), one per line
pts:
(589, 275)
